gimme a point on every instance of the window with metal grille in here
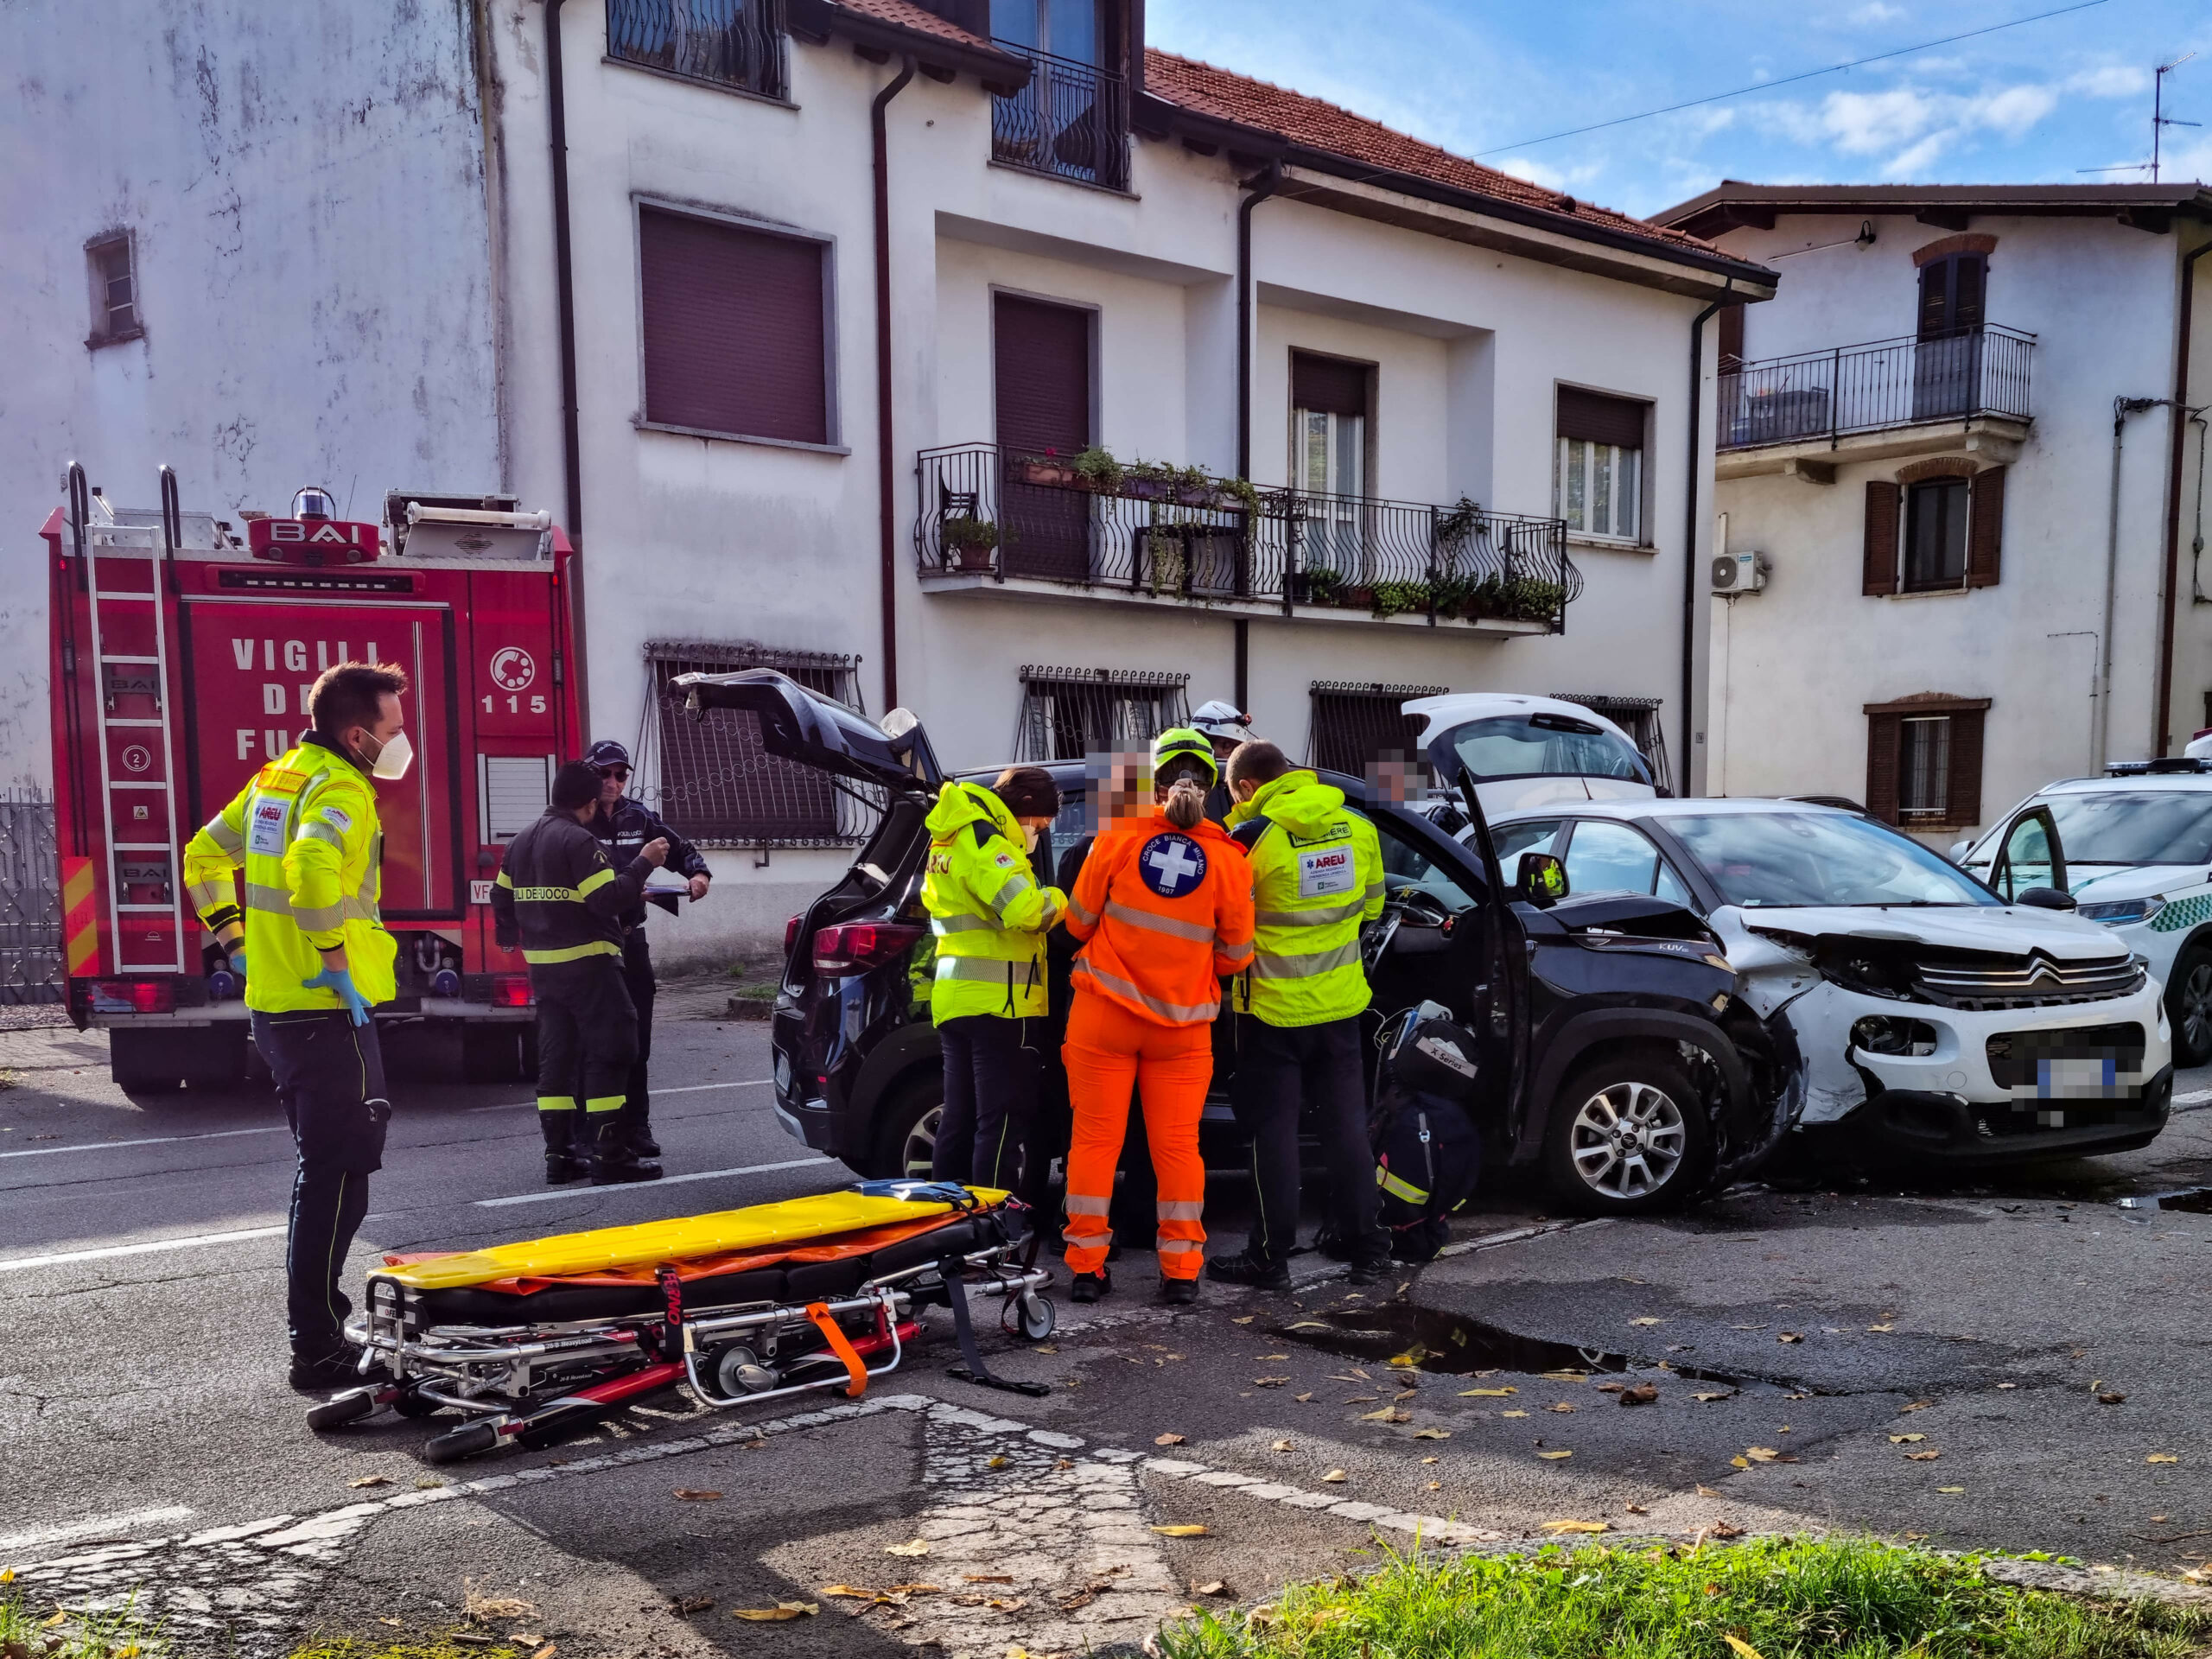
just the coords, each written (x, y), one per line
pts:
(1354, 722)
(1068, 713)
(712, 779)
(1639, 718)
(115, 290)
(730, 42)
(1924, 760)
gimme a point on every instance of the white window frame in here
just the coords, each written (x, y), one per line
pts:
(1582, 466)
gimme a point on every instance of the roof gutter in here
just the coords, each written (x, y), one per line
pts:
(934, 54)
(565, 300)
(2162, 708)
(887, 528)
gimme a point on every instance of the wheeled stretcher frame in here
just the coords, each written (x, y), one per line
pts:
(534, 1381)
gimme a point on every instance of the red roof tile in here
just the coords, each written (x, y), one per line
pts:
(906, 14)
(1205, 90)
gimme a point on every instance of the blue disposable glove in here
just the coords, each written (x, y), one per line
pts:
(338, 980)
(238, 963)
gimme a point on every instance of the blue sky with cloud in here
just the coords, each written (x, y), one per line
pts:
(2031, 103)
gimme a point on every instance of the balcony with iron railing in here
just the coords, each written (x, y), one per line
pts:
(1035, 527)
(1069, 121)
(732, 43)
(1966, 390)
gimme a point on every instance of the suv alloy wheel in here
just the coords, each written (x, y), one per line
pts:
(907, 1141)
(2189, 1007)
(1627, 1136)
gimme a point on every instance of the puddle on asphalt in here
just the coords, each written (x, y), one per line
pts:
(2196, 1200)
(1457, 1346)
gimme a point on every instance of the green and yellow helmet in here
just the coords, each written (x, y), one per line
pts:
(1180, 742)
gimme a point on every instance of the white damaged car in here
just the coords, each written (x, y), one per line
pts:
(1927, 1015)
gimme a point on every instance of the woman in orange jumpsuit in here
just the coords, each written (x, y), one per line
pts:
(1163, 907)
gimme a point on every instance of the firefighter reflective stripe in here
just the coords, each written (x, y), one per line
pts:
(943, 925)
(549, 895)
(556, 1103)
(1174, 1013)
(1267, 964)
(573, 952)
(1325, 918)
(590, 884)
(1397, 1188)
(1202, 932)
(603, 1103)
(1179, 1209)
(230, 840)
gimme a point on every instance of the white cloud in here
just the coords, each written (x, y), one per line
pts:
(2016, 108)
(2111, 80)
(1879, 12)
(1910, 125)
(1919, 158)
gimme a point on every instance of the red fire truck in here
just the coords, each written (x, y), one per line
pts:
(183, 656)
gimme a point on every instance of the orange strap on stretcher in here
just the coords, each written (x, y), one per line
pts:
(855, 1367)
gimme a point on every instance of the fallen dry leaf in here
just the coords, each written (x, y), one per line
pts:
(1553, 1457)
(1212, 1588)
(1565, 1376)
(1578, 1526)
(1743, 1649)
(987, 1577)
(842, 1592)
(1642, 1395)
(1709, 1398)
(915, 1590)
(1388, 1414)
(371, 1480)
(996, 1463)
(1360, 1400)
(1435, 1485)
(782, 1610)
(1562, 1406)
(1486, 1394)
(1644, 1321)
(1432, 1435)
(1929, 1456)
(1636, 1509)
(913, 1546)
(1335, 1477)
(1167, 1439)
(1303, 1324)
(1761, 1454)
(699, 1603)
(1186, 1530)
(1045, 1348)
(1430, 1459)
(1513, 1414)
(1280, 1445)
(1950, 1491)
(2162, 1456)
(1791, 1336)
(690, 1495)
(2111, 1399)
(1269, 1382)
(1922, 1405)
(1306, 1399)
(1247, 1318)
(1906, 1439)
(1737, 1463)
(1881, 1327)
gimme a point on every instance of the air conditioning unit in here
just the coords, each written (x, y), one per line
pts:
(1740, 573)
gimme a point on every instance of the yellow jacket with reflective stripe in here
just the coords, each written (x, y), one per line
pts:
(989, 912)
(306, 834)
(1317, 874)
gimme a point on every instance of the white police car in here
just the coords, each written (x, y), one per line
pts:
(2134, 849)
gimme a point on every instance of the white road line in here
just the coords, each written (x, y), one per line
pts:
(149, 1141)
(668, 1180)
(10, 1541)
(687, 1089)
(153, 1248)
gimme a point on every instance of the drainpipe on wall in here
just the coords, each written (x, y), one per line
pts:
(1258, 189)
(2162, 711)
(1689, 544)
(888, 531)
(2122, 409)
(565, 296)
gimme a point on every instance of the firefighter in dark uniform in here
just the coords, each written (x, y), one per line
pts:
(623, 825)
(558, 896)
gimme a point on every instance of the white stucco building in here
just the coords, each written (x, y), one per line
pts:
(1960, 445)
(633, 247)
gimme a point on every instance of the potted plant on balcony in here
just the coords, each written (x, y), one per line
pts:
(1147, 480)
(1191, 487)
(1398, 598)
(1168, 558)
(969, 541)
(1048, 471)
(1097, 469)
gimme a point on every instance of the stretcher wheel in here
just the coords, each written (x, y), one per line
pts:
(412, 1404)
(738, 1369)
(340, 1409)
(1028, 1315)
(463, 1442)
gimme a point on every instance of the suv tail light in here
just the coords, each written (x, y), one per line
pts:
(790, 933)
(856, 947)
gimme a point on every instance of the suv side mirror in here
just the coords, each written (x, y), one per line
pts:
(1541, 880)
(2044, 898)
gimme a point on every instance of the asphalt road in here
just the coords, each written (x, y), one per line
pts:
(148, 1445)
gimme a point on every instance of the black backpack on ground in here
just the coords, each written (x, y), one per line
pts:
(1428, 1154)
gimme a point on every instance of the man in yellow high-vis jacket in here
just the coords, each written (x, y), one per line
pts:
(316, 956)
(1316, 877)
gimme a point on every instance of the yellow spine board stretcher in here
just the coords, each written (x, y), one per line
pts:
(762, 1226)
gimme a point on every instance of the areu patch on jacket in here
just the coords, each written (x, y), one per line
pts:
(1172, 865)
(1325, 870)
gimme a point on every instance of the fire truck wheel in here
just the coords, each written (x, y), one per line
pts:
(493, 1053)
(159, 1062)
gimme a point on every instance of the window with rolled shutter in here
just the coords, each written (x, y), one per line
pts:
(1879, 569)
(1985, 527)
(736, 329)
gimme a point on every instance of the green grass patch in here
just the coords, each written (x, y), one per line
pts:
(29, 1631)
(412, 1647)
(1777, 1597)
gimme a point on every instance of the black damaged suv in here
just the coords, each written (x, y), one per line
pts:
(1618, 1057)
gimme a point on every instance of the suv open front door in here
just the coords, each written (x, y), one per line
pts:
(799, 725)
(2030, 859)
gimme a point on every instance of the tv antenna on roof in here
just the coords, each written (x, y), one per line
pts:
(2159, 119)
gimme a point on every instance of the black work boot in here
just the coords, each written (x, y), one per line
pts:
(335, 1369)
(1088, 1288)
(1245, 1268)
(1178, 1291)
(562, 1164)
(613, 1163)
(638, 1129)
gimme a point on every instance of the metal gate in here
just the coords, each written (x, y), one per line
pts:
(30, 898)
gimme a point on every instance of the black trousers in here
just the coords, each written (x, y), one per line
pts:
(990, 1099)
(638, 978)
(1280, 1069)
(329, 1076)
(586, 1033)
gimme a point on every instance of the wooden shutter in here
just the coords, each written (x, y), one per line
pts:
(1328, 386)
(1730, 320)
(1601, 419)
(734, 329)
(1042, 374)
(1986, 527)
(1884, 734)
(1963, 800)
(1879, 571)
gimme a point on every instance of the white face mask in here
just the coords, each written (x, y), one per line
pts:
(390, 762)
(1028, 837)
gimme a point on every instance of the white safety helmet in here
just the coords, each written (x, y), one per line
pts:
(1221, 720)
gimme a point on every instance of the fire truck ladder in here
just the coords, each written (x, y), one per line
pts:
(140, 864)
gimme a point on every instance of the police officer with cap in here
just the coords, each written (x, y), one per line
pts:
(624, 824)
